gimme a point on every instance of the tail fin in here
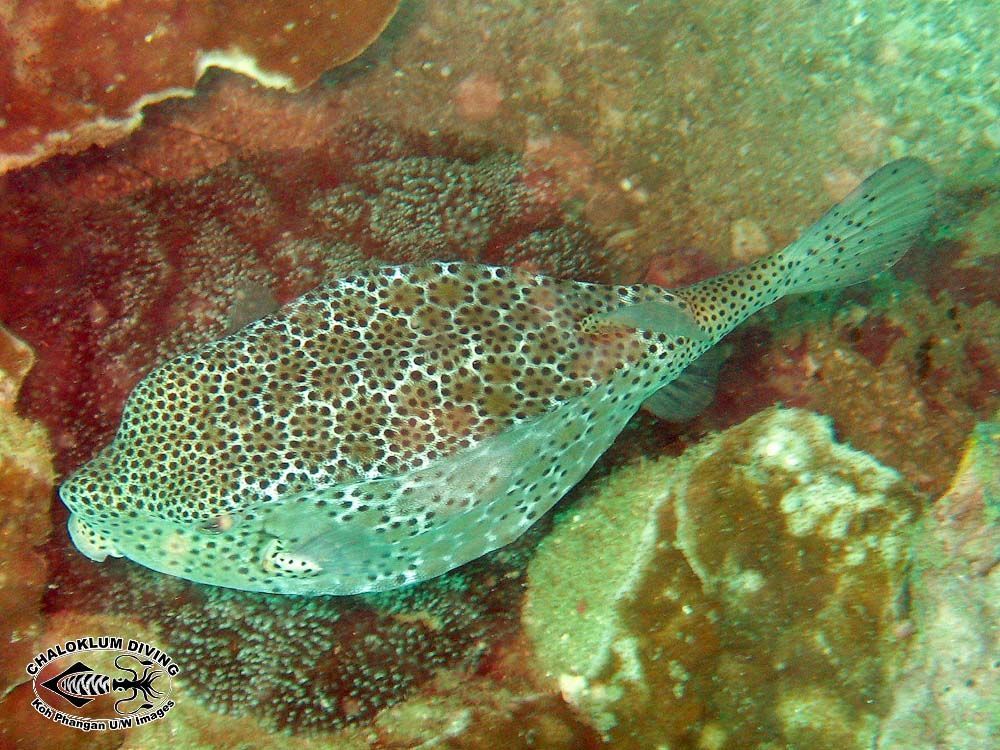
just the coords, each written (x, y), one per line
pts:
(866, 232)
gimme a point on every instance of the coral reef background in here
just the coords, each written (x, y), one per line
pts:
(768, 575)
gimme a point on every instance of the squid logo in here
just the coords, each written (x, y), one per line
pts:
(79, 685)
(130, 686)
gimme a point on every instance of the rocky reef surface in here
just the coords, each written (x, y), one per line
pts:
(948, 694)
(26, 481)
(749, 591)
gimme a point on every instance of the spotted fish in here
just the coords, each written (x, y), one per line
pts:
(390, 426)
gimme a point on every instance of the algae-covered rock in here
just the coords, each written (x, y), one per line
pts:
(26, 478)
(949, 692)
(746, 594)
(593, 560)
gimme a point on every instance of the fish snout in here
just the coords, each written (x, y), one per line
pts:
(78, 491)
(89, 540)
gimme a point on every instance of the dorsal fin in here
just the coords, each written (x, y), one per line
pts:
(250, 303)
(655, 315)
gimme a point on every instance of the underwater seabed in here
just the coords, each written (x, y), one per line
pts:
(770, 582)
(810, 564)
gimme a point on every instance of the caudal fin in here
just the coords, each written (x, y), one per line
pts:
(866, 232)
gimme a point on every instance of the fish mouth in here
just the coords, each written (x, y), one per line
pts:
(91, 543)
(86, 537)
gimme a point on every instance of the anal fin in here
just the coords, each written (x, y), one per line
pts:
(690, 394)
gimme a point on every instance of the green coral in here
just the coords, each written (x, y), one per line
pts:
(572, 617)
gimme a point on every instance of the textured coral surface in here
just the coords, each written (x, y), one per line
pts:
(757, 599)
(949, 691)
(77, 73)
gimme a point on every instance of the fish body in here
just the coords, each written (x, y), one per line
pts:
(390, 426)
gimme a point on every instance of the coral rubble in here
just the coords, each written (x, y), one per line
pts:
(746, 591)
(711, 111)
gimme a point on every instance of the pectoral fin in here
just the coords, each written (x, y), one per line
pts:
(661, 317)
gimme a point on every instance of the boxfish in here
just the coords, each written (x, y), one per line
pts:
(392, 425)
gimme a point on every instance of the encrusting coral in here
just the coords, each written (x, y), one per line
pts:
(948, 694)
(747, 590)
(75, 74)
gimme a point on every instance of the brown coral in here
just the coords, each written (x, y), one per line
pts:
(75, 74)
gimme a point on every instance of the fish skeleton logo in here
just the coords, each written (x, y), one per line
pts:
(129, 686)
